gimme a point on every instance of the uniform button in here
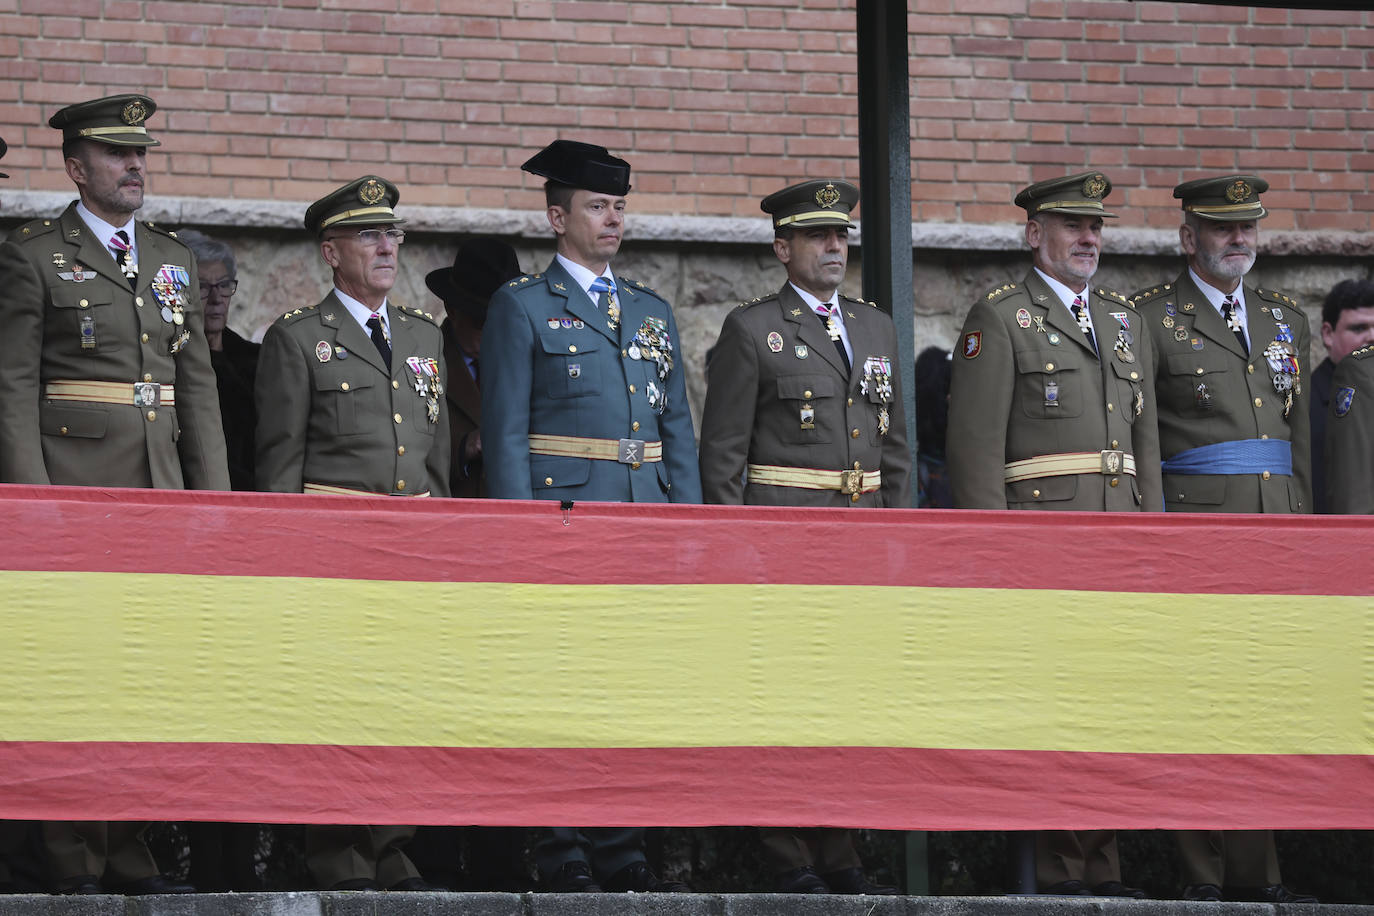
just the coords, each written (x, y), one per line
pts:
(138, 300)
(853, 434)
(807, 393)
(84, 303)
(400, 484)
(572, 348)
(634, 427)
(400, 449)
(1115, 444)
(1199, 370)
(1035, 493)
(1265, 475)
(1181, 497)
(853, 497)
(1116, 481)
(624, 353)
(1250, 369)
(63, 430)
(634, 466)
(1110, 408)
(849, 402)
(1259, 402)
(548, 481)
(1264, 435)
(1134, 376)
(1049, 367)
(144, 338)
(857, 466)
(147, 376)
(343, 385)
(152, 416)
(632, 389)
(395, 384)
(396, 417)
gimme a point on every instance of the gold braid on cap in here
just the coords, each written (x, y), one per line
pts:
(364, 211)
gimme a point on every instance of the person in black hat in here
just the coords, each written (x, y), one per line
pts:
(3, 149)
(481, 266)
(583, 397)
(105, 380)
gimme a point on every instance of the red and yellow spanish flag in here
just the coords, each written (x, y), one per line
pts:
(285, 658)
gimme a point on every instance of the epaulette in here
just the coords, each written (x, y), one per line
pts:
(1141, 296)
(523, 281)
(1113, 295)
(33, 229)
(771, 297)
(153, 227)
(637, 286)
(418, 313)
(1364, 352)
(1276, 296)
(295, 314)
(1001, 291)
(857, 300)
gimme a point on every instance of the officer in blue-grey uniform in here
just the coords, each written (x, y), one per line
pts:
(583, 398)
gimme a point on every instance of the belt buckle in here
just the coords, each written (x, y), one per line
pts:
(147, 394)
(851, 482)
(630, 451)
(1113, 460)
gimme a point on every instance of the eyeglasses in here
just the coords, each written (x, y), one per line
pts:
(225, 287)
(371, 237)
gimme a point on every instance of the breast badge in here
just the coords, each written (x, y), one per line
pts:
(1023, 318)
(775, 341)
(323, 351)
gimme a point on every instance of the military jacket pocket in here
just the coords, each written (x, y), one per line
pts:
(1197, 362)
(570, 367)
(1045, 388)
(73, 422)
(1184, 490)
(343, 392)
(1131, 393)
(1027, 494)
(83, 318)
(555, 471)
(809, 410)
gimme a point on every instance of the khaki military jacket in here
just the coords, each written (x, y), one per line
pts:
(1209, 391)
(1350, 436)
(778, 394)
(330, 413)
(1025, 383)
(67, 314)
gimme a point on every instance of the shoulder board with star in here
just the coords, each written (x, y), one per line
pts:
(1150, 293)
(153, 227)
(524, 281)
(1273, 295)
(1112, 295)
(771, 297)
(1366, 352)
(857, 301)
(33, 229)
(1005, 291)
(418, 313)
(296, 314)
(634, 287)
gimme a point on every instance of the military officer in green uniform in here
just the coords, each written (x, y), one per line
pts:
(350, 399)
(803, 408)
(583, 398)
(1350, 436)
(1051, 407)
(350, 392)
(105, 380)
(1230, 377)
(803, 396)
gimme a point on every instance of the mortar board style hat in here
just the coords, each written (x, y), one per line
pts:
(581, 165)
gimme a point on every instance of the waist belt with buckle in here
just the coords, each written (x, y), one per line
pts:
(1108, 461)
(625, 451)
(136, 394)
(349, 491)
(850, 483)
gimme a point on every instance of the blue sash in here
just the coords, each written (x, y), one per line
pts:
(1241, 456)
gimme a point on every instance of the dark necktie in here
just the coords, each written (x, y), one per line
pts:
(1230, 310)
(1080, 312)
(119, 247)
(379, 340)
(826, 313)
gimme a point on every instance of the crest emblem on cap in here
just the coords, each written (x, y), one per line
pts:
(134, 113)
(1238, 191)
(371, 191)
(827, 196)
(1094, 187)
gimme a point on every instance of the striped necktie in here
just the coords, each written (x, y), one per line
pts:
(120, 248)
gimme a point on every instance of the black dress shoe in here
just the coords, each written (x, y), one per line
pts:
(1070, 888)
(1274, 893)
(638, 878)
(416, 884)
(154, 884)
(356, 884)
(83, 885)
(802, 880)
(1202, 892)
(573, 878)
(1117, 889)
(853, 881)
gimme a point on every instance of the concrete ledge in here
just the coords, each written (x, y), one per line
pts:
(17, 205)
(365, 904)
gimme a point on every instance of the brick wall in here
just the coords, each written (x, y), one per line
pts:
(715, 104)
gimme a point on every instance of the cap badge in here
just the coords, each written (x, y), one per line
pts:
(827, 196)
(371, 191)
(135, 112)
(1238, 191)
(1094, 187)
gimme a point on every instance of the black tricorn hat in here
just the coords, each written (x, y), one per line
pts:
(479, 268)
(581, 165)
